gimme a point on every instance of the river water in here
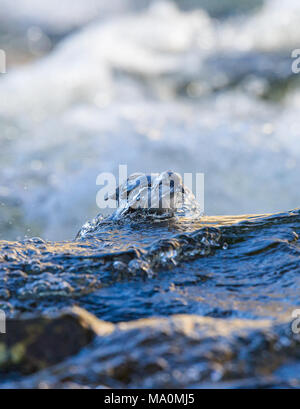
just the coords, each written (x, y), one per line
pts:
(190, 301)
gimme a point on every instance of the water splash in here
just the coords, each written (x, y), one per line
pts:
(149, 197)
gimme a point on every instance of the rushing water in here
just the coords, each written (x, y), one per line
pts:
(178, 299)
(233, 280)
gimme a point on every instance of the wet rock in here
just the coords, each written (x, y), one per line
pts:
(31, 344)
(180, 351)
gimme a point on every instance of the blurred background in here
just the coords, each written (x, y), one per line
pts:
(188, 85)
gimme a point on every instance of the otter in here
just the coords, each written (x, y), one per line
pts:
(153, 198)
(158, 194)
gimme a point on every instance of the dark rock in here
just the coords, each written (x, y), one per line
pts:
(31, 344)
(176, 352)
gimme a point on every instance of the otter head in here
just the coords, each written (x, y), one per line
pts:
(156, 193)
